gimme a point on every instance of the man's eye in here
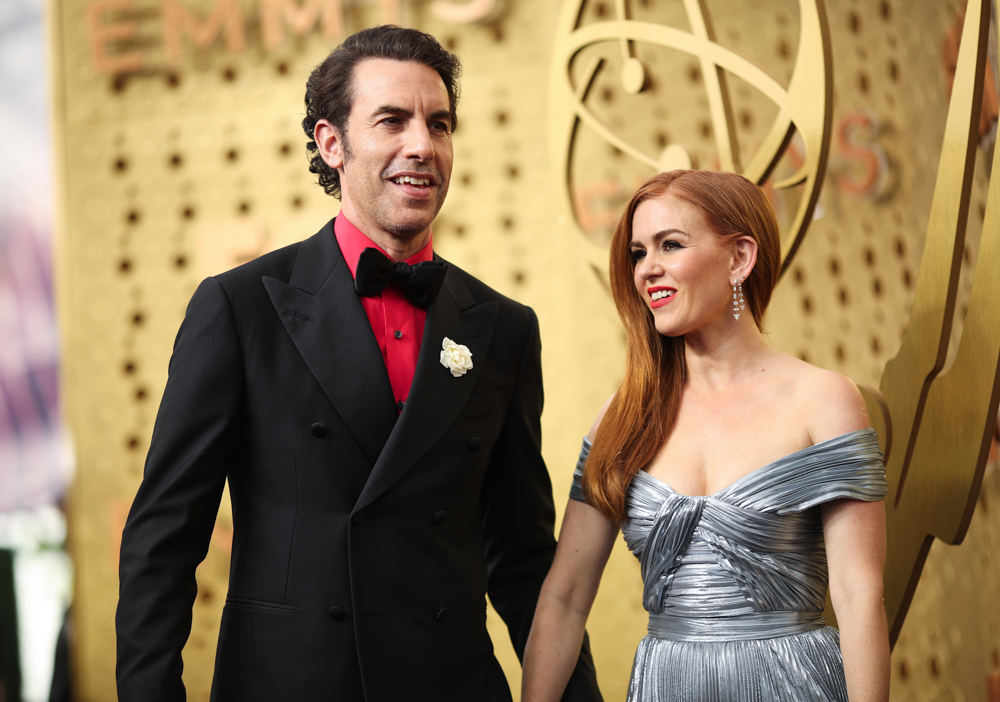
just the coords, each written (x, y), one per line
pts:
(441, 127)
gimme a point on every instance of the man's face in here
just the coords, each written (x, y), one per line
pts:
(396, 155)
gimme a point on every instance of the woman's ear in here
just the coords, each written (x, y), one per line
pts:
(744, 257)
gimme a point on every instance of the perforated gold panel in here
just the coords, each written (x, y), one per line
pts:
(181, 167)
(951, 641)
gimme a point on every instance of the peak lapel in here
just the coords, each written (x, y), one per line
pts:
(436, 397)
(327, 323)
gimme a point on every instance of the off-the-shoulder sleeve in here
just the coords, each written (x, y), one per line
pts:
(576, 489)
(849, 466)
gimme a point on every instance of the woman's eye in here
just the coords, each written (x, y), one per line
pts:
(670, 245)
(637, 255)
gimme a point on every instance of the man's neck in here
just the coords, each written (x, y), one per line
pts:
(398, 248)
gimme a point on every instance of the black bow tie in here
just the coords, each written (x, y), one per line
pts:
(420, 283)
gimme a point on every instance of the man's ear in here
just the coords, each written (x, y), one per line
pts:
(744, 257)
(330, 144)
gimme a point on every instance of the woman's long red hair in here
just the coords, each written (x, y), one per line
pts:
(644, 409)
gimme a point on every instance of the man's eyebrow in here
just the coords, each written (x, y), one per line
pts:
(403, 112)
(440, 114)
(392, 110)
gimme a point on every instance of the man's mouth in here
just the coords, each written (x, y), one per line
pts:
(414, 181)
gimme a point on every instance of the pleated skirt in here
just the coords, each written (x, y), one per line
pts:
(804, 667)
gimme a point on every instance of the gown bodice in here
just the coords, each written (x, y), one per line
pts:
(747, 563)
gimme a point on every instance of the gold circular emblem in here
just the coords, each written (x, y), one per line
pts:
(803, 118)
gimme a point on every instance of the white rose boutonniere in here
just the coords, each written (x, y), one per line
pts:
(456, 357)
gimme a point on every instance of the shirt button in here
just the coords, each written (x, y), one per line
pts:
(439, 517)
(398, 334)
(400, 405)
(474, 443)
(318, 430)
(337, 613)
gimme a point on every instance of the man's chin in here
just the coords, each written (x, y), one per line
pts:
(407, 228)
(408, 222)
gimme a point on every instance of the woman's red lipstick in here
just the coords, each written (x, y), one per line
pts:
(653, 304)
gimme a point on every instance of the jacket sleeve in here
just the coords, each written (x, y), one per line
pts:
(170, 524)
(519, 517)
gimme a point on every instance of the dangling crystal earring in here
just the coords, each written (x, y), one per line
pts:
(738, 303)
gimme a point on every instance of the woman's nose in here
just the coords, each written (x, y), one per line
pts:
(649, 267)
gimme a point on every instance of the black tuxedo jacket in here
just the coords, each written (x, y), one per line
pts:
(365, 541)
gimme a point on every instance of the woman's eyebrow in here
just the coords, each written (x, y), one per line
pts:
(660, 235)
(667, 232)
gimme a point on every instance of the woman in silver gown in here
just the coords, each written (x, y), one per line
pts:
(744, 480)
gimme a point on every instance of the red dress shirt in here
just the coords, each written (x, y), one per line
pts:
(398, 324)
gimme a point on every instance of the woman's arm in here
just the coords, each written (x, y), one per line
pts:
(854, 532)
(585, 542)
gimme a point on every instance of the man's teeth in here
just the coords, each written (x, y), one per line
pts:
(412, 181)
(660, 294)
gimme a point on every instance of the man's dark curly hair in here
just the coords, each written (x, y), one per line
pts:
(330, 92)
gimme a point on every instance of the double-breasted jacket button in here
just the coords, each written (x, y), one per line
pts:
(439, 517)
(475, 443)
(442, 616)
(358, 518)
(337, 613)
(318, 430)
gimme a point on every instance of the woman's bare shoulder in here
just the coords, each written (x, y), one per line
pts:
(832, 403)
(600, 415)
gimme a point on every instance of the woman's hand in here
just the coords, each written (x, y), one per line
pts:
(564, 603)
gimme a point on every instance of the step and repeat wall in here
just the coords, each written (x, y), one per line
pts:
(180, 155)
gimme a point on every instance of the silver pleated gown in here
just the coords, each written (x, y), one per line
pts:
(735, 582)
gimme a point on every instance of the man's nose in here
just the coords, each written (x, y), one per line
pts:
(419, 145)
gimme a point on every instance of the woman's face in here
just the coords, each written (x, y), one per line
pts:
(682, 271)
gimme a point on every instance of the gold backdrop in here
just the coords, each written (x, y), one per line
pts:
(180, 155)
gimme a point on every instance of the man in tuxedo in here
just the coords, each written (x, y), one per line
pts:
(376, 412)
